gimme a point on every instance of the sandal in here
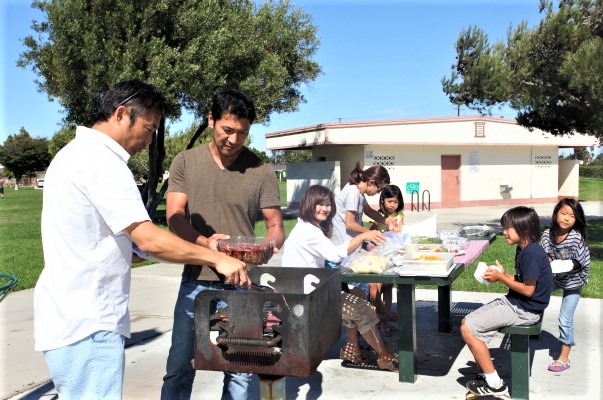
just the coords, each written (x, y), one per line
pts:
(558, 366)
(351, 353)
(388, 363)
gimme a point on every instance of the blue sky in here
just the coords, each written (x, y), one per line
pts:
(381, 59)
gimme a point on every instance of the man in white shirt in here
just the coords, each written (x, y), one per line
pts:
(92, 213)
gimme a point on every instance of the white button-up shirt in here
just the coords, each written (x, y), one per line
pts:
(308, 247)
(90, 197)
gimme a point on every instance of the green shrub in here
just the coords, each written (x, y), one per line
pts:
(591, 171)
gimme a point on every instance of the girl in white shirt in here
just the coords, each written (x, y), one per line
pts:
(309, 246)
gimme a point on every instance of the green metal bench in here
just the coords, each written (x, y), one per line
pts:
(520, 357)
(7, 283)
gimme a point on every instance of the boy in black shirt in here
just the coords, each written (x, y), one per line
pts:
(528, 296)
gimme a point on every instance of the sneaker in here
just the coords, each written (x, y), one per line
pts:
(480, 387)
(558, 366)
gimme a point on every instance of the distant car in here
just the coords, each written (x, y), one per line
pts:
(40, 183)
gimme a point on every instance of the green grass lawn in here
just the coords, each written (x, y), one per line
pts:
(21, 248)
(20, 239)
(591, 189)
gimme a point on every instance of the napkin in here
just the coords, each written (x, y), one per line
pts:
(560, 266)
(479, 272)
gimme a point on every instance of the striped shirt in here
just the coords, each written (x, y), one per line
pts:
(571, 248)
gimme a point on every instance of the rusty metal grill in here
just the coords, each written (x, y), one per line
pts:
(282, 332)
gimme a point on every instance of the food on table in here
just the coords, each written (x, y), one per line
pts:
(426, 257)
(426, 263)
(429, 247)
(371, 264)
(427, 240)
(447, 250)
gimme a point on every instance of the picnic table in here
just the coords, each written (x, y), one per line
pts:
(406, 304)
(472, 250)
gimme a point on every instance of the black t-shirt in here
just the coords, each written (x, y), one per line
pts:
(533, 263)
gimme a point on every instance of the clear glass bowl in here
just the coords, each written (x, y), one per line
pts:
(248, 249)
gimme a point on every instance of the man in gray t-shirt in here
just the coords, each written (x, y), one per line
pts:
(217, 188)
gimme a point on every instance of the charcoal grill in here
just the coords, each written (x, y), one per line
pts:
(285, 330)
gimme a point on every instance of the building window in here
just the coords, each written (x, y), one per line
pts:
(480, 129)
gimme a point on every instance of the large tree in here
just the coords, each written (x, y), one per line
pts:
(187, 48)
(291, 156)
(551, 74)
(23, 154)
(60, 139)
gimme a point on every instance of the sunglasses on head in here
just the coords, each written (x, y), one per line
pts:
(148, 88)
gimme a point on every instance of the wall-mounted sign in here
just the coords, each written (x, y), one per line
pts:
(412, 187)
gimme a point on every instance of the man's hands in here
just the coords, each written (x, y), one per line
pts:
(212, 241)
(234, 271)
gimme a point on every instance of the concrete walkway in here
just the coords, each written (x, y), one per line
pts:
(444, 363)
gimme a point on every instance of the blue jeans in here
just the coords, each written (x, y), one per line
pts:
(89, 369)
(566, 314)
(180, 374)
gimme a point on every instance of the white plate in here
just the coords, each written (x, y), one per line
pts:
(560, 266)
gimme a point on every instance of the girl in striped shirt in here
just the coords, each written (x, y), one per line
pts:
(566, 240)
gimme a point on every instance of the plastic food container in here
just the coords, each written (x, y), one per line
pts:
(444, 235)
(454, 244)
(476, 231)
(248, 249)
(426, 263)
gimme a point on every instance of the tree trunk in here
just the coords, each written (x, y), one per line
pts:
(198, 133)
(150, 197)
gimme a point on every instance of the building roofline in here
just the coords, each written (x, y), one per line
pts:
(406, 121)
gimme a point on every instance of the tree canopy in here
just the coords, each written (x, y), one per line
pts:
(291, 156)
(187, 48)
(551, 74)
(60, 139)
(23, 154)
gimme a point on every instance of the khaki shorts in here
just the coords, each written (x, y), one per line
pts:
(357, 313)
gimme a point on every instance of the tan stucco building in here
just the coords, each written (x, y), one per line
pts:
(438, 162)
